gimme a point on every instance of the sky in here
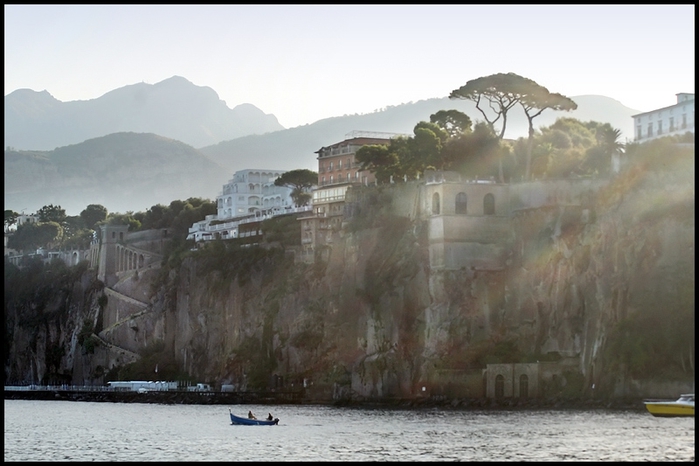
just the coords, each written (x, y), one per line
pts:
(304, 63)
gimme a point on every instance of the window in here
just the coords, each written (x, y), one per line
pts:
(489, 204)
(435, 204)
(672, 124)
(339, 165)
(331, 179)
(331, 166)
(499, 386)
(460, 207)
(684, 121)
(523, 386)
(660, 127)
(639, 132)
(650, 129)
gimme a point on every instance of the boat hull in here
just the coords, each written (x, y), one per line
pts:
(244, 421)
(671, 409)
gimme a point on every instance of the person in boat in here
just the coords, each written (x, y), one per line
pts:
(269, 417)
(251, 416)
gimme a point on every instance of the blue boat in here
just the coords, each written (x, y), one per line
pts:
(244, 421)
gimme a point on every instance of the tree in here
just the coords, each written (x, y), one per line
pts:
(10, 218)
(51, 213)
(534, 102)
(300, 181)
(453, 122)
(503, 91)
(474, 154)
(93, 214)
(378, 159)
(32, 236)
(425, 148)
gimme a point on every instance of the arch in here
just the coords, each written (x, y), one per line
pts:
(489, 204)
(435, 204)
(499, 386)
(460, 207)
(523, 386)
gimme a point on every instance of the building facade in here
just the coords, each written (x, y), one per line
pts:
(252, 191)
(337, 172)
(674, 120)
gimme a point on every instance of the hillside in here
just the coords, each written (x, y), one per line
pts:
(122, 171)
(295, 147)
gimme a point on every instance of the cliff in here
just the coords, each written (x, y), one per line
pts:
(595, 289)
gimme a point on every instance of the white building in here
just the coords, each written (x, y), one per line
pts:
(676, 119)
(251, 191)
(249, 197)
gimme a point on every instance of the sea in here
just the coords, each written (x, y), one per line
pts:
(104, 431)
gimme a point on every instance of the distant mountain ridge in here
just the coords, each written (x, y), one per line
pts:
(174, 108)
(295, 147)
(132, 170)
(121, 171)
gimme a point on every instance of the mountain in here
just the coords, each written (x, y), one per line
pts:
(295, 147)
(134, 170)
(174, 108)
(121, 171)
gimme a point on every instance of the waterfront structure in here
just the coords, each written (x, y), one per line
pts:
(673, 120)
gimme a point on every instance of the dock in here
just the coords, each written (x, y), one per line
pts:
(105, 394)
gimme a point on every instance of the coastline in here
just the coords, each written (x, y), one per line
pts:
(298, 398)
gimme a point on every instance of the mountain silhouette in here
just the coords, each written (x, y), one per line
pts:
(174, 108)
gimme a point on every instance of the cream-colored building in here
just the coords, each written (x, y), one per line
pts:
(674, 120)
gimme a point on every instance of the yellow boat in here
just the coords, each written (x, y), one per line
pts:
(682, 407)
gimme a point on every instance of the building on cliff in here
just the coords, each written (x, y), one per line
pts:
(248, 198)
(338, 171)
(674, 120)
(119, 251)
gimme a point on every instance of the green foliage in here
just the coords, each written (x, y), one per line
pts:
(300, 181)
(378, 159)
(225, 261)
(85, 332)
(51, 213)
(453, 122)
(257, 360)
(283, 230)
(129, 218)
(31, 236)
(662, 154)
(93, 214)
(10, 218)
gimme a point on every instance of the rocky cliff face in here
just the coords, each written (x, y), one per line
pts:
(591, 286)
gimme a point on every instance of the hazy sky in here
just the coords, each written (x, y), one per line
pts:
(304, 63)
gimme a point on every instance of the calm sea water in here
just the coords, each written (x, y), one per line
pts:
(87, 431)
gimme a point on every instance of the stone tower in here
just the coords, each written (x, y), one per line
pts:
(112, 235)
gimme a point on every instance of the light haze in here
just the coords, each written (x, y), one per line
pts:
(304, 63)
